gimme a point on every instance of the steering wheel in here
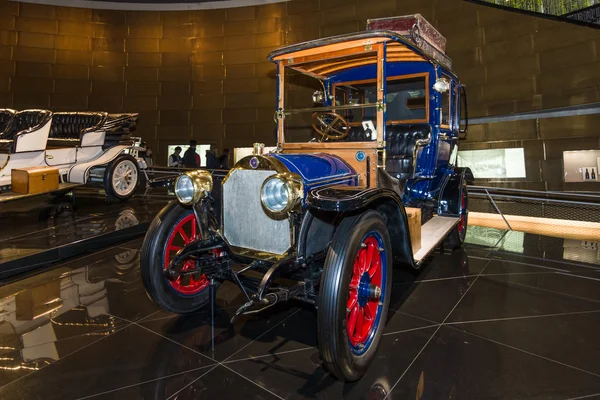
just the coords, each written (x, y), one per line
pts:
(330, 125)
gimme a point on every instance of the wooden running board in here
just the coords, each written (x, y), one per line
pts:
(432, 234)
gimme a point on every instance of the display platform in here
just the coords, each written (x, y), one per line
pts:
(46, 229)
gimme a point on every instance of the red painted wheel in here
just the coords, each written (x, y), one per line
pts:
(365, 291)
(184, 232)
(354, 295)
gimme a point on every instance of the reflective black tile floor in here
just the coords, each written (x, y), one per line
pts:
(512, 316)
(44, 223)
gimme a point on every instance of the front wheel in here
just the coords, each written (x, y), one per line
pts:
(121, 178)
(354, 295)
(173, 228)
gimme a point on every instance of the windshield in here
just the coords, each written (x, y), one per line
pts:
(323, 120)
(352, 113)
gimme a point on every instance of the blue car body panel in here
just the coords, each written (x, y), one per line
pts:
(320, 169)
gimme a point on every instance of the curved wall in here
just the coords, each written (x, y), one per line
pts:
(203, 74)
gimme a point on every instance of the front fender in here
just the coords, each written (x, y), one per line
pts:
(348, 200)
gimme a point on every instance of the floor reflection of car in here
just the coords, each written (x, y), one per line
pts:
(62, 303)
(61, 222)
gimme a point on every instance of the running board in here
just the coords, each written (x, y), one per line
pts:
(432, 234)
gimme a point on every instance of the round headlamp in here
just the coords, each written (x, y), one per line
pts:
(280, 193)
(192, 187)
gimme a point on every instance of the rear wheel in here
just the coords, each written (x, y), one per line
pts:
(121, 178)
(354, 295)
(456, 238)
(172, 229)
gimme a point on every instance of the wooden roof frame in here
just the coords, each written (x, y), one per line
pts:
(328, 59)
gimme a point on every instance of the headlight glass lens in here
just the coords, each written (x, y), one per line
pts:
(275, 195)
(184, 189)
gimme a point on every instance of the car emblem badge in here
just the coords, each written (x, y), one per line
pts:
(360, 156)
(254, 162)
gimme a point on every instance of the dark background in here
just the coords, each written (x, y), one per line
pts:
(204, 75)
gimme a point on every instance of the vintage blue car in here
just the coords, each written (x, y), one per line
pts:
(375, 134)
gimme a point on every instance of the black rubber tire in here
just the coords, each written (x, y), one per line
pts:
(455, 239)
(334, 347)
(152, 262)
(111, 194)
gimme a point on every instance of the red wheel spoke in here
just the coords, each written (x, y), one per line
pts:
(194, 284)
(363, 262)
(375, 267)
(185, 237)
(367, 312)
(352, 300)
(370, 251)
(194, 228)
(352, 319)
(356, 271)
(360, 323)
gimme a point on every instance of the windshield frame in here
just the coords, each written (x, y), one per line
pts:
(380, 49)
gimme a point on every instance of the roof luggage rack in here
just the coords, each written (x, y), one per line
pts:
(419, 31)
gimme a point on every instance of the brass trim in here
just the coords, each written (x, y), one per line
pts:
(295, 190)
(265, 163)
(201, 181)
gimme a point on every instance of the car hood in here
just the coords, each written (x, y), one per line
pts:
(318, 169)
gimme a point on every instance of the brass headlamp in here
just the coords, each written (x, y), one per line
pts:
(193, 186)
(280, 193)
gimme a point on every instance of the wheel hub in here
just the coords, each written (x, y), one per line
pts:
(366, 289)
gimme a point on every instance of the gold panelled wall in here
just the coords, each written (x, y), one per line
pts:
(204, 74)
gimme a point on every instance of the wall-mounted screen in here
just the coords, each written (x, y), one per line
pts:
(581, 165)
(494, 163)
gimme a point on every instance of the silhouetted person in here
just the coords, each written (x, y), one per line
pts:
(175, 159)
(189, 157)
(212, 162)
(224, 159)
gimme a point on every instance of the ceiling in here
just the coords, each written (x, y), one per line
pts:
(156, 5)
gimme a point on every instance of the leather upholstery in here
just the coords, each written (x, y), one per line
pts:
(22, 121)
(67, 127)
(400, 144)
(357, 134)
(27, 119)
(6, 117)
(119, 128)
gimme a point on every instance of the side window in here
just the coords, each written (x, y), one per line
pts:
(446, 108)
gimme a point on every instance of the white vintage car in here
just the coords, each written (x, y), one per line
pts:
(85, 147)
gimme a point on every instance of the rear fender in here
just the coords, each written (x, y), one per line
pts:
(341, 201)
(449, 203)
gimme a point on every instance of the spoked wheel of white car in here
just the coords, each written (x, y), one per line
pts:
(354, 295)
(173, 228)
(121, 178)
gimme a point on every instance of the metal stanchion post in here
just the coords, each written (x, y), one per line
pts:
(212, 294)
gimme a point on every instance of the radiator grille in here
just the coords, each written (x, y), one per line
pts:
(245, 224)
